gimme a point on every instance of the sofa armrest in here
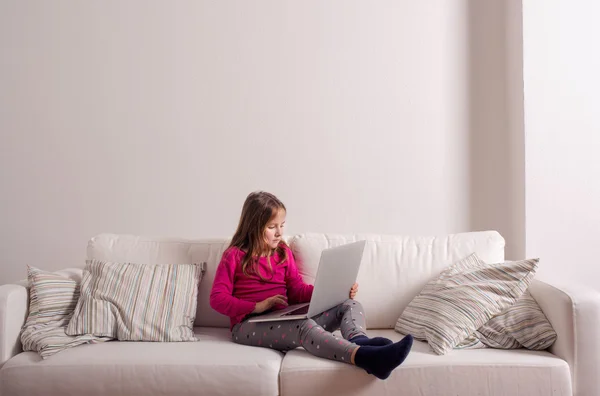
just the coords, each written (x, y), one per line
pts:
(574, 312)
(13, 312)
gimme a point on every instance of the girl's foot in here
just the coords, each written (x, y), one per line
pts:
(381, 360)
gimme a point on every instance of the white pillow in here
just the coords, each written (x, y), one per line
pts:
(463, 298)
(522, 325)
(138, 302)
(52, 299)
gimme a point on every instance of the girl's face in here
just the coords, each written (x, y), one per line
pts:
(274, 229)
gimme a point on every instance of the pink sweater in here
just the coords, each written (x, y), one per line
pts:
(235, 294)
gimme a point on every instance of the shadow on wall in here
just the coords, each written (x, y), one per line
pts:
(496, 129)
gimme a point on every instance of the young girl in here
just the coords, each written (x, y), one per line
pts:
(258, 273)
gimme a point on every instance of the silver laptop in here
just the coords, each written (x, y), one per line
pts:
(338, 269)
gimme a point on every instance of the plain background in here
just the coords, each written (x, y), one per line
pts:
(562, 124)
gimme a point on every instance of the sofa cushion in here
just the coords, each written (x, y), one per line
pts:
(212, 366)
(464, 373)
(138, 302)
(395, 268)
(53, 297)
(523, 325)
(464, 298)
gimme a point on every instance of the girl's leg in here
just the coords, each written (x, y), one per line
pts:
(290, 334)
(286, 335)
(350, 318)
(378, 356)
(281, 336)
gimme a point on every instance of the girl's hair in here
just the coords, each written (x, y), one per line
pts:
(259, 208)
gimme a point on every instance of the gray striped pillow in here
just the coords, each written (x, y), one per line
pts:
(138, 302)
(523, 325)
(52, 298)
(463, 298)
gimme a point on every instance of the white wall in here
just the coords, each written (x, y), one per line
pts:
(497, 165)
(159, 118)
(562, 125)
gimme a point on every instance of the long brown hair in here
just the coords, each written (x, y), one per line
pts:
(259, 208)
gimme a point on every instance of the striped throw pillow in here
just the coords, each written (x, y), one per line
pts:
(522, 325)
(463, 298)
(52, 299)
(138, 302)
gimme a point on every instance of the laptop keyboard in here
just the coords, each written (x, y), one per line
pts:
(300, 311)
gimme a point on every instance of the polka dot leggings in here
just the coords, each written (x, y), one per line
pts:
(312, 334)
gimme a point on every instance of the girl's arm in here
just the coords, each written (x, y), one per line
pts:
(221, 295)
(297, 290)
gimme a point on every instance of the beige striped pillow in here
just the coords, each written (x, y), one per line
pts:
(138, 302)
(462, 299)
(522, 325)
(52, 299)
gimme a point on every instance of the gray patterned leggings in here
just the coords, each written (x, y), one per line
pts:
(312, 334)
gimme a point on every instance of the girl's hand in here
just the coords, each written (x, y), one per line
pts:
(269, 303)
(353, 291)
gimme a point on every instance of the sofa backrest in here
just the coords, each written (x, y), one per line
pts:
(395, 268)
(393, 271)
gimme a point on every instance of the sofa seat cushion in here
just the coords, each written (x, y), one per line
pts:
(214, 365)
(460, 372)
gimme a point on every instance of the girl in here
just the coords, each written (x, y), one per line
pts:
(258, 273)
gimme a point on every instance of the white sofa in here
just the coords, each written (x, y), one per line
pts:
(394, 270)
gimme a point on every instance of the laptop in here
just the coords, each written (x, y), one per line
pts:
(338, 269)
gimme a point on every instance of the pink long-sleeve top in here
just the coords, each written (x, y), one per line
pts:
(235, 294)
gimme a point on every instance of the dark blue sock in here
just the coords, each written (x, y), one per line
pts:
(381, 360)
(375, 341)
